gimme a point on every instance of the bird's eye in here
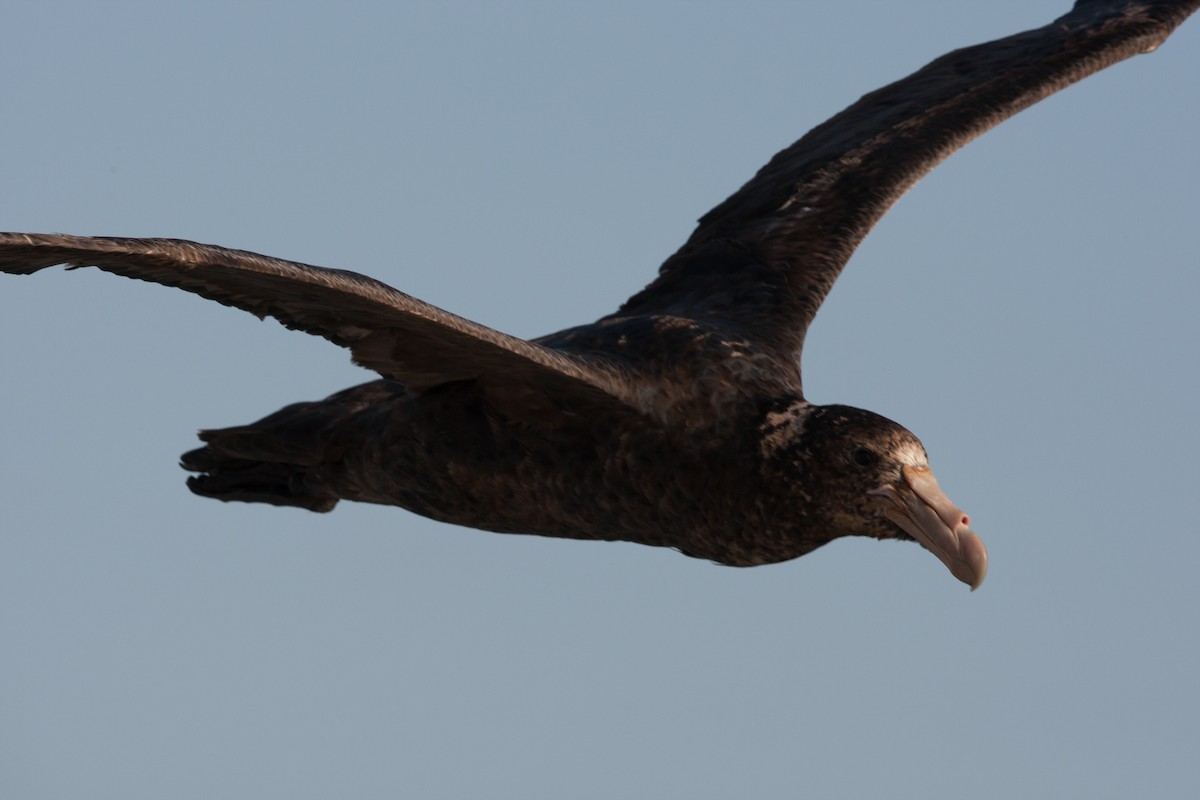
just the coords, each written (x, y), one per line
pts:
(865, 456)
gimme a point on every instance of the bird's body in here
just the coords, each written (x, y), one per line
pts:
(502, 460)
(680, 419)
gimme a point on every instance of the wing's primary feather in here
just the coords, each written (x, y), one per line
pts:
(393, 333)
(766, 257)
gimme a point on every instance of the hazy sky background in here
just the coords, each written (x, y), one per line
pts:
(1029, 310)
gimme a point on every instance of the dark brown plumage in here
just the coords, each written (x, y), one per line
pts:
(677, 421)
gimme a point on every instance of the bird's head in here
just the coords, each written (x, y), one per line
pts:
(869, 476)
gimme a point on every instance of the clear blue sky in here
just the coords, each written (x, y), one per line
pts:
(1029, 311)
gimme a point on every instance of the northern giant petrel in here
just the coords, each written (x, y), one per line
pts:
(677, 421)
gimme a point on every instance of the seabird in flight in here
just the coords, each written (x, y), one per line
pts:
(680, 419)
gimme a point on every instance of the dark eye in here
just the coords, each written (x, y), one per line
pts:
(865, 457)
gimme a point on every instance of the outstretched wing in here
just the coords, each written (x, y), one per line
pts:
(386, 330)
(765, 259)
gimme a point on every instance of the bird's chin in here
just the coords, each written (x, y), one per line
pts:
(918, 507)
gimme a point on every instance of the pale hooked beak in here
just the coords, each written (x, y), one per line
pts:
(924, 513)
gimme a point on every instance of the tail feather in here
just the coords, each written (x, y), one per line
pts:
(256, 482)
(285, 459)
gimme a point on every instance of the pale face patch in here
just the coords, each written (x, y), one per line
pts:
(911, 454)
